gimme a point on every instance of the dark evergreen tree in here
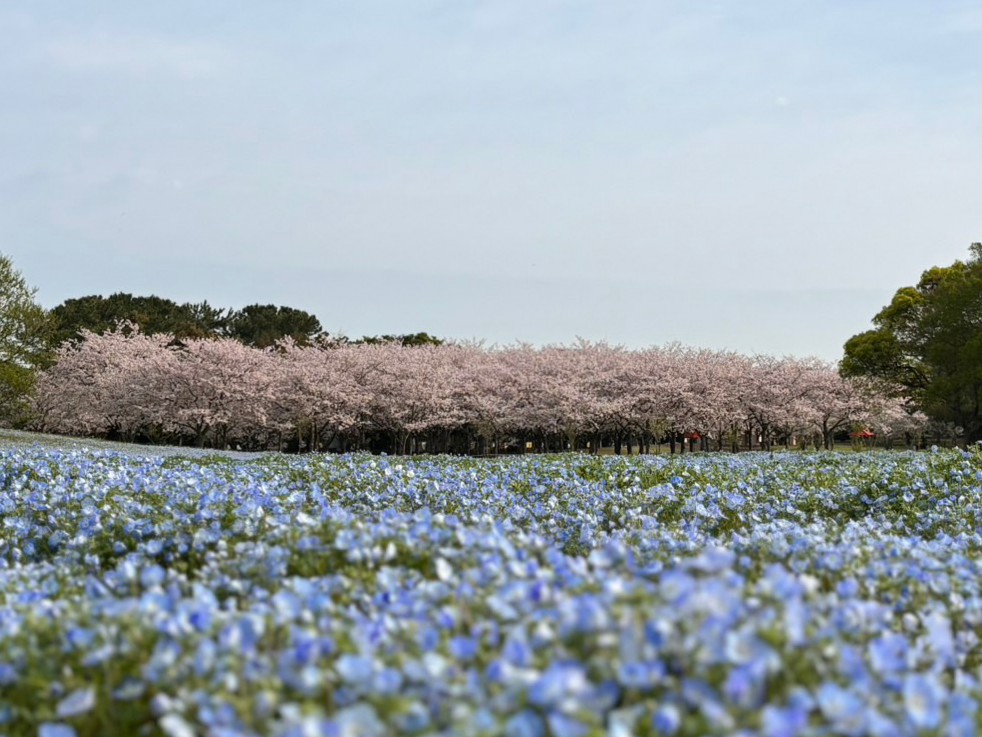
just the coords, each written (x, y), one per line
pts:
(262, 325)
(152, 314)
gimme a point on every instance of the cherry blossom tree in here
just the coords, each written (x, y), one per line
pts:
(220, 390)
(107, 385)
(833, 403)
(323, 392)
(446, 398)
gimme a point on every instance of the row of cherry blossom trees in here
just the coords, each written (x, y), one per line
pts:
(450, 398)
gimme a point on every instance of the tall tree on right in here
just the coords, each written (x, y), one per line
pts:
(927, 343)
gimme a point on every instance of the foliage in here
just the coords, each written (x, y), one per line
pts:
(25, 335)
(261, 326)
(255, 325)
(408, 340)
(755, 594)
(152, 314)
(928, 344)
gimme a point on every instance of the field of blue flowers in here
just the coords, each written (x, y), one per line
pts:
(359, 596)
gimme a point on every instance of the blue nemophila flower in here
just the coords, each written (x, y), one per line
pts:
(745, 685)
(313, 726)
(783, 721)
(844, 709)
(561, 725)
(525, 724)
(561, 686)
(517, 650)
(642, 676)
(294, 578)
(463, 649)
(387, 681)
(667, 719)
(413, 718)
(924, 698)
(939, 638)
(52, 729)
(76, 703)
(888, 654)
(962, 713)
(129, 689)
(8, 674)
(879, 725)
(355, 669)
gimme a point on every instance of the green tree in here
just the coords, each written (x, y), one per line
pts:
(25, 342)
(410, 340)
(262, 325)
(153, 314)
(927, 343)
(205, 321)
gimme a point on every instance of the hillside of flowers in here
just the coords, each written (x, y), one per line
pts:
(751, 594)
(464, 399)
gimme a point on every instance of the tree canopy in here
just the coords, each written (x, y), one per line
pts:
(152, 314)
(255, 325)
(927, 344)
(25, 334)
(261, 326)
(409, 340)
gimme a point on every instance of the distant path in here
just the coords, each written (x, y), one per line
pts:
(21, 439)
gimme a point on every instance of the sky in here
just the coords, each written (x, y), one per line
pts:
(753, 176)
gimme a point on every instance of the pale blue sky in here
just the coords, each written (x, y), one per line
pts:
(755, 175)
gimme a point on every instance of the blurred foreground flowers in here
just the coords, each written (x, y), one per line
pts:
(826, 594)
